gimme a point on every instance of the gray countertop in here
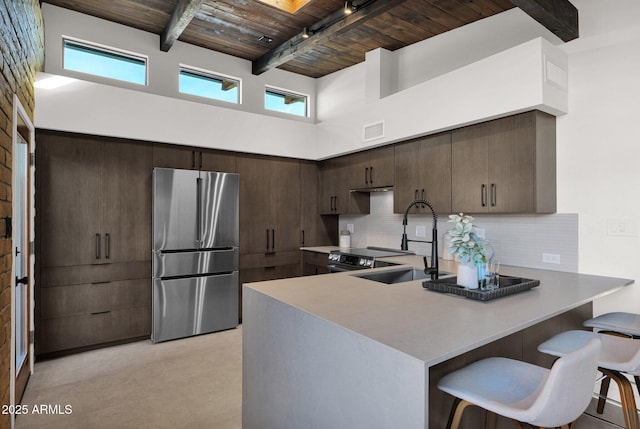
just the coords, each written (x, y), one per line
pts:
(431, 326)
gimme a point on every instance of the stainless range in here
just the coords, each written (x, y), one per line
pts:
(361, 259)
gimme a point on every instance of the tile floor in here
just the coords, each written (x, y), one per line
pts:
(189, 383)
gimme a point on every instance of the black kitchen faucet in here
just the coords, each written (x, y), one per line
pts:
(433, 269)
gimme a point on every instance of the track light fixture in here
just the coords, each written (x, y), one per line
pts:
(305, 33)
(348, 8)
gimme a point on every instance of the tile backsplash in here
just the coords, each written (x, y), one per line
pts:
(519, 240)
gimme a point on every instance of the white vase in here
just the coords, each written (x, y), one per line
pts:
(467, 275)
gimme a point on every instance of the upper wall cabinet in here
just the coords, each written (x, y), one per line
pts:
(370, 168)
(190, 158)
(423, 171)
(505, 166)
(337, 176)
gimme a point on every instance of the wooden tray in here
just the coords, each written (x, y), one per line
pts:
(507, 286)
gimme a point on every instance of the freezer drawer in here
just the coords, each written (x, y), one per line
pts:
(194, 305)
(191, 263)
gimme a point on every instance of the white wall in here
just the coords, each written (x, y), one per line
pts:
(163, 66)
(598, 145)
(518, 240)
(491, 83)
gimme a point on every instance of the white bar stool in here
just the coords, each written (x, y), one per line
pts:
(525, 392)
(619, 355)
(623, 323)
(616, 323)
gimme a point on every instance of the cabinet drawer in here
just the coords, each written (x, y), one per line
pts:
(85, 299)
(63, 333)
(83, 274)
(260, 260)
(315, 258)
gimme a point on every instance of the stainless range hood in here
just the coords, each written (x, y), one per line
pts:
(374, 189)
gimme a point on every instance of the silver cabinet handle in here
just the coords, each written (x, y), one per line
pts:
(483, 195)
(97, 246)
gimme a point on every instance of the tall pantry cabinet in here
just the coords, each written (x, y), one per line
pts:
(93, 209)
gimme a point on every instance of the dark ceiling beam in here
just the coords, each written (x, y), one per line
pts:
(335, 23)
(180, 18)
(558, 16)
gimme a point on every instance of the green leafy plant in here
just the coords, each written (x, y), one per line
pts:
(465, 242)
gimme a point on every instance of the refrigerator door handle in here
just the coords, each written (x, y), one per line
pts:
(198, 210)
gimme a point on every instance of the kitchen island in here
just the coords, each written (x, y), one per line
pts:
(337, 351)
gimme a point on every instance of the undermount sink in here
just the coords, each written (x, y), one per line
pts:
(397, 276)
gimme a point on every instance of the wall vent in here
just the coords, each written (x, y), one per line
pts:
(373, 131)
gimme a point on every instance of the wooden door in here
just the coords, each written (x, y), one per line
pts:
(216, 160)
(285, 205)
(511, 174)
(70, 179)
(356, 174)
(407, 166)
(126, 202)
(316, 230)
(381, 167)
(329, 182)
(469, 169)
(435, 172)
(255, 184)
(173, 156)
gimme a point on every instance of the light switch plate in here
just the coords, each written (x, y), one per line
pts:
(421, 231)
(551, 258)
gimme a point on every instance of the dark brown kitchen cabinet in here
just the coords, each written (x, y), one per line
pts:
(93, 257)
(336, 197)
(505, 166)
(316, 230)
(95, 199)
(190, 158)
(314, 263)
(269, 204)
(88, 314)
(370, 168)
(423, 171)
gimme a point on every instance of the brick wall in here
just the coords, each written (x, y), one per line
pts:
(22, 49)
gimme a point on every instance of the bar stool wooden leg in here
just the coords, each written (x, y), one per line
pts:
(490, 420)
(456, 413)
(626, 396)
(604, 392)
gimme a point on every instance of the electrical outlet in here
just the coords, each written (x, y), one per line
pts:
(622, 227)
(350, 227)
(551, 258)
(421, 231)
(480, 232)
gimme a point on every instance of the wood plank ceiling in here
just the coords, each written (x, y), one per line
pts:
(255, 31)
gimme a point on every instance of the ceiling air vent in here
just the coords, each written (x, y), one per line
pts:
(373, 131)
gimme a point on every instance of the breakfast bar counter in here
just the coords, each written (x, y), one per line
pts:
(338, 351)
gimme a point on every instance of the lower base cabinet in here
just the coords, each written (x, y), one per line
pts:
(314, 263)
(262, 267)
(89, 306)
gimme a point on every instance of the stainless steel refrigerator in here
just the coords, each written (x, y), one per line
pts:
(195, 252)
